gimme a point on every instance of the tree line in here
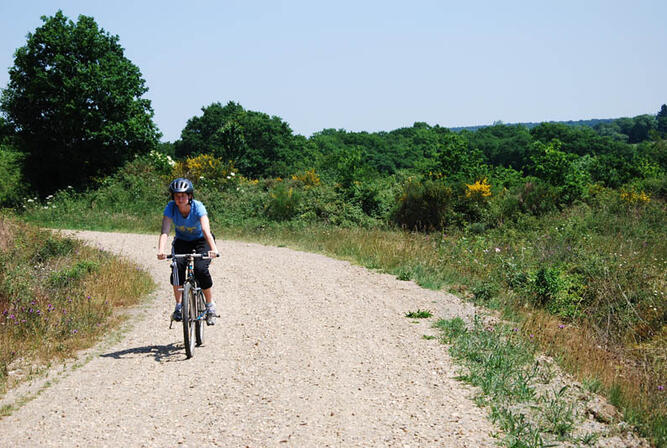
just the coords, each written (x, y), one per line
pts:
(73, 112)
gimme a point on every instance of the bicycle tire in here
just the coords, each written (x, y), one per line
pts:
(199, 324)
(189, 310)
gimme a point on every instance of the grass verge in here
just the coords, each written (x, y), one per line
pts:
(527, 398)
(57, 297)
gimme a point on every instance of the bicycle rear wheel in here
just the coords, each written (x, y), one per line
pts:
(189, 315)
(199, 324)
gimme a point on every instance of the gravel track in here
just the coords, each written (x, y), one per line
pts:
(309, 352)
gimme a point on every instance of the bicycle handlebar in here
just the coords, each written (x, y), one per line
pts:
(202, 256)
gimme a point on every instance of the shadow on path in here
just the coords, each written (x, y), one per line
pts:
(161, 353)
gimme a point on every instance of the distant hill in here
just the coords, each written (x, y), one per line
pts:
(590, 123)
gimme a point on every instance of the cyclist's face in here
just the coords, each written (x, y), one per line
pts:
(181, 198)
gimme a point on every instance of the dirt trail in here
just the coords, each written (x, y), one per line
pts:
(309, 352)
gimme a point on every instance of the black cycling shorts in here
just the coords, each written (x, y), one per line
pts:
(201, 266)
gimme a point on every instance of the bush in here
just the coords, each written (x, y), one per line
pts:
(12, 186)
(537, 197)
(423, 205)
(283, 203)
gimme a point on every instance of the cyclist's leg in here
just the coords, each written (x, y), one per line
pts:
(202, 273)
(179, 247)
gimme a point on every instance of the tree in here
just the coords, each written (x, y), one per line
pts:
(661, 119)
(257, 144)
(457, 159)
(75, 102)
(640, 131)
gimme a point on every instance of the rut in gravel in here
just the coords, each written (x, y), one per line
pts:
(309, 351)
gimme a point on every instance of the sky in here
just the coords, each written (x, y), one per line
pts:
(380, 65)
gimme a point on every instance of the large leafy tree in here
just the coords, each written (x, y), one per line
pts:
(257, 144)
(75, 102)
(661, 120)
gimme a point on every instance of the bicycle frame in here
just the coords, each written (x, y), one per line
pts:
(192, 300)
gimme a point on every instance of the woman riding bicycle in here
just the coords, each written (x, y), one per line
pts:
(193, 231)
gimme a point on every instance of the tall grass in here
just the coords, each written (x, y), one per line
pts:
(57, 296)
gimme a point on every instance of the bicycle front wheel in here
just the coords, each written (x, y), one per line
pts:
(199, 324)
(189, 319)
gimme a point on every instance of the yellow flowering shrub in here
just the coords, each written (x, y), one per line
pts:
(308, 178)
(635, 198)
(479, 190)
(204, 166)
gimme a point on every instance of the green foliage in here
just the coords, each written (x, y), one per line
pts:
(451, 328)
(419, 314)
(283, 202)
(423, 205)
(53, 246)
(72, 274)
(484, 292)
(257, 144)
(536, 197)
(76, 103)
(12, 187)
(661, 121)
(457, 158)
(502, 145)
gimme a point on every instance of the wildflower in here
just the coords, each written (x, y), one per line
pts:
(515, 329)
(661, 388)
(30, 200)
(480, 189)
(532, 336)
(229, 177)
(75, 331)
(561, 326)
(497, 249)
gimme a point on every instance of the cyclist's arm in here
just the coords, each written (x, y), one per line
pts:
(166, 226)
(206, 229)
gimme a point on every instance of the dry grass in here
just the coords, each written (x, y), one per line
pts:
(58, 297)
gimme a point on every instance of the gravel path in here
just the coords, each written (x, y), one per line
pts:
(309, 352)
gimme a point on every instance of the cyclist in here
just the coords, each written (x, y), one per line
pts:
(193, 231)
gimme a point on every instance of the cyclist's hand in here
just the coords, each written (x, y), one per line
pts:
(161, 256)
(213, 254)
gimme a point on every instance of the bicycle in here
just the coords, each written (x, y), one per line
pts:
(193, 302)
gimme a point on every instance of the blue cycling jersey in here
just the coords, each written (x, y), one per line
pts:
(187, 228)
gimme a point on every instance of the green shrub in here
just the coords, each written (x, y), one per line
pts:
(484, 292)
(283, 203)
(537, 197)
(72, 274)
(423, 205)
(54, 247)
(546, 285)
(12, 186)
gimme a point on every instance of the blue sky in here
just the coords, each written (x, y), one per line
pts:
(380, 65)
